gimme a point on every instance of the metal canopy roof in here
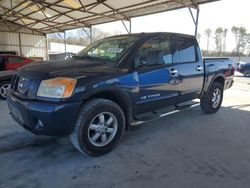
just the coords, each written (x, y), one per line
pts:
(47, 16)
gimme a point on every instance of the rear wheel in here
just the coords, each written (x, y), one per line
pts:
(211, 102)
(4, 86)
(99, 127)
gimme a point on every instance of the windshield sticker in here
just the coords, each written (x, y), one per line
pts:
(115, 50)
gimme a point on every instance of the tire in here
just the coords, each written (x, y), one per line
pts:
(96, 118)
(211, 102)
(247, 73)
(4, 86)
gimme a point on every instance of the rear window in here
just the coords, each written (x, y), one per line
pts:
(15, 60)
(184, 50)
(1, 59)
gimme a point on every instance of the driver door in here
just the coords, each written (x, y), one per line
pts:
(157, 75)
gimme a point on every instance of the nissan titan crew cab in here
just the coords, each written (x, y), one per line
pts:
(95, 96)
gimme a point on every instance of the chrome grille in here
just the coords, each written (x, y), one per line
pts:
(24, 87)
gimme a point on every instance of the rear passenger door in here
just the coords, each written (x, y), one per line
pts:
(191, 70)
(157, 76)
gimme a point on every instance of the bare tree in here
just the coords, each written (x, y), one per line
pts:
(241, 39)
(116, 32)
(248, 44)
(218, 39)
(99, 34)
(198, 37)
(84, 35)
(55, 37)
(80, 36)
(224, 39)
(235, 31)
(208, 32)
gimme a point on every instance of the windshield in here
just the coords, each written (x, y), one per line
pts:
(109, 49)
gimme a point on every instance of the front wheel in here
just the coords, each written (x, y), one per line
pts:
(4, 86)
(98, 128)
(211, 102)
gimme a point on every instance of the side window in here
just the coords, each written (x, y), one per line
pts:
(2, 59)
(156, 51)
(184, 50)
(15, 60)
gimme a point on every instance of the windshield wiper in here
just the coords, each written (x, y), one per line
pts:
(79, 57)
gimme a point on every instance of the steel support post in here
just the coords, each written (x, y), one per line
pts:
(65, 43)
(89, 34)
(128, 29)
(20, 44)
(195, 20)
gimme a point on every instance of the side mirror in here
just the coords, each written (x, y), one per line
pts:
(142, 61)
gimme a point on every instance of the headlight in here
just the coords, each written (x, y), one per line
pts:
(59, 87)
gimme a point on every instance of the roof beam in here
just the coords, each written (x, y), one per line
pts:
(105, 4)
(23, 26)
(81, 9)
(89, 18)
(20, 17)
(13, 8)
(108, 14)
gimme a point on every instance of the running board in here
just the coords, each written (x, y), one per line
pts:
(160, 113)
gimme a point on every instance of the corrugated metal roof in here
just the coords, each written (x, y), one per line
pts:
(47, 16)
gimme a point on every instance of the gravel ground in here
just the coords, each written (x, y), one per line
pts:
(185, 149)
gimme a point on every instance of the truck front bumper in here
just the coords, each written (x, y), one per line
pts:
(43, 118)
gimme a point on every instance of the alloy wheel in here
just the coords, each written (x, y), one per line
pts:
(102, 129)
(3, 90)
(216, 98)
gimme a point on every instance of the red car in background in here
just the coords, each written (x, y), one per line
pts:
(12, 62)
(8, 64)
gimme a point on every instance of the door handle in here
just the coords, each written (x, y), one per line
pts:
(199, 68)
(173, 72)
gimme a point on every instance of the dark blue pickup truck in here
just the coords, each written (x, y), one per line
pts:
(95, 96)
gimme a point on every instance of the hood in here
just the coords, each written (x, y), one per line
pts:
(71, 68)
